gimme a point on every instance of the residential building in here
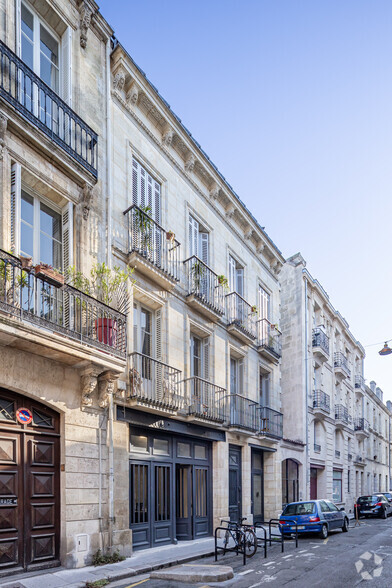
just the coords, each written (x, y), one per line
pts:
(342, 423)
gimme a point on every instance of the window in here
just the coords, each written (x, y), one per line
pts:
(7, 410)
(200, 452)
(200, 357)
(198, 240)
(146, 191)
(264, 304)
(142, 330)
(303, 508)
(183, 449)
(160, 447)
(331, 506)
(236, 376)
(337, 486)
(139, 443)
(264, 387)
(236, 276)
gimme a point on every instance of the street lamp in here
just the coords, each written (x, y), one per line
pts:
(386, 350)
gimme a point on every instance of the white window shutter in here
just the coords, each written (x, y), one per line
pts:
(240, 280)
(157, 202)
(135, 183)
(67, 222)
(142, 199)
(15, 207)
(66, 66)
(206, 358)
(193, 236)
(18, 27)
(241, 376)
(158, 335)
(204, 247)
(232, 284)
(149, 193)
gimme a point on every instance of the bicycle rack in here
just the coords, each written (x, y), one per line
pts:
(260, 539)
(235, 549)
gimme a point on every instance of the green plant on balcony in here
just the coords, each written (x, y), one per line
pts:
(143, 226)
(197, 272)
(222, 281)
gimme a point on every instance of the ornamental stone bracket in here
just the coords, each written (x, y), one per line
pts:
(86, 13)
(119, 79)
(214, 191)
(190, 163)
(3, 130)
(96, 387)
(230, 210)
(85, 200)
(167, 135)
(248, 234)
(105, 388)
(88, 383)
(260, 248)
(132, 95)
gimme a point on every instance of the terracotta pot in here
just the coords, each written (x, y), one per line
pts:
(106, 330)
(49, 275)
(27, 262)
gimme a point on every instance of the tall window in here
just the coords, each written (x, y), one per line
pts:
(198, 240)
(146, 191)
(264, 304)
(337, 486)
(200, 357)
(264, 387)
(142, 330)
(236, 276)
(236, 376)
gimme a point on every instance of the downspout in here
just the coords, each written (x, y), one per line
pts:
(306, 393)
(111, 472)
(108, 160)
(389, 452)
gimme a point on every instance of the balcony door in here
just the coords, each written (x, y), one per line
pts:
(199, 352)
(199, 247)
(257, 475)
(147, 347)
(235, 483)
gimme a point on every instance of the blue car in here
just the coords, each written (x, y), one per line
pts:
(313, 516)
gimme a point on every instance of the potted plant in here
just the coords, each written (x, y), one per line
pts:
(49, 274)
(143, 225)
(108, 285)
(197, 271)
(253, 309)
(27, 262)
(222, 281)
(170, 236)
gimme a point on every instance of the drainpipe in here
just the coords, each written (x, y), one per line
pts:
(389, 453)
(108, 160)
(306, 393)
(111, 471)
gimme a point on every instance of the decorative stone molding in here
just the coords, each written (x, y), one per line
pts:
(132, 94)
(119, 80)
(85, 200)
(190, 163)
(276, 266)
(88, 385)
(3, 130)
(85, 21)
(230, 210)
(214, 191)
(248, 234)
(260, 248)
(105, 388)
(167, 135)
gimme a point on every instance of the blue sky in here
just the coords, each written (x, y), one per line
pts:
(292, 100)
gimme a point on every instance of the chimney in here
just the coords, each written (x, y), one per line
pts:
(373, 386)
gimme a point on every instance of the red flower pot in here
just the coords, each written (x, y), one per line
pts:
(106, 331)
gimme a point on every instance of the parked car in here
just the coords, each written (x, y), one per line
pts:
(373, 505)
(313, 516)
(388, 495)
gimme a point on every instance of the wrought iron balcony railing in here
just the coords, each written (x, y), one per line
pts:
(241, 314)
(359, 459)
(155, 383)
(321, 400)
(341, 414)
(241, 412)
(152, 242)
(60, 308)
(350, 456)
(359, 382)
(203, 283)
(320, 339)
(317, 448)
(40, 105)
(340, 362)
(269, 337)
(337, 454)
(271, 422)
(361, 424)
(204, 399)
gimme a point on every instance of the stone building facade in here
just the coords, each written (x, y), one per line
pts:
(342, 422)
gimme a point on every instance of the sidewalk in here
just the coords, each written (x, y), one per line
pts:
(140, 563)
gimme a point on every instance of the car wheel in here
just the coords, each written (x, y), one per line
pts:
(345, 525)
(324, 532)
(384, 513)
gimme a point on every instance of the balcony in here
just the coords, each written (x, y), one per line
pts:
(320, 344)
(204, 400)
(204, 292)
(153, 251)
(361, 428)
(56, 320)
(269, 341)
(241, 413)
(321, 403)
(342, 418)
(271, 422)
(337, 454)
(349, 456)
(317, 448)
(340, 365)
(359, 460)
(21, 88)
(154, 385)
(359, 385)
(241, 317)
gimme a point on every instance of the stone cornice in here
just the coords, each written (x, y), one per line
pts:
(195, 161)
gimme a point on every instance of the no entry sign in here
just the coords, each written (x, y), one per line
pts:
(24, 416)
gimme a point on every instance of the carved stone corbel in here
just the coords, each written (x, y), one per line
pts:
(119, 80)
(88, 385)
(133, 94)
(260, 248)
(105, 388)
(190, 163)
(85, 200)
(3, 130)
(277, 267)
(167, 135)
(230, 210)
(85, 21)
(248, 234)
(214, 191)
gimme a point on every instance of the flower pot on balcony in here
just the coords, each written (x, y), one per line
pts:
(27, 262)
(170, 236)
(106, 330)
(48, 274)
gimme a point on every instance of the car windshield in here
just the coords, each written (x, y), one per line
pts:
(364, 499)
(388, 495)
(303, 508)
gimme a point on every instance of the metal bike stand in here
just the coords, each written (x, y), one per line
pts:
(237, 549)
(261, 539)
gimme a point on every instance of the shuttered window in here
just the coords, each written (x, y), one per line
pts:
(198, 240)
(236, 376)
(200, 357)
(146, 191)
(236, 276)
(264, 304)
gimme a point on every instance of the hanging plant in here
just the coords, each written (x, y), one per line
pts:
(222, 281)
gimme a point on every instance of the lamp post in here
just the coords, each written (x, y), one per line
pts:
(386, 350)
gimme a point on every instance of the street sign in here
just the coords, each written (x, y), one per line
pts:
(24, 416)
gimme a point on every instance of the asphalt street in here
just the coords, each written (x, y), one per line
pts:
(361, 556)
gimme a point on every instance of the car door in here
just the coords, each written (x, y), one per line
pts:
(327, 515)
(385, 504)
(337, 515)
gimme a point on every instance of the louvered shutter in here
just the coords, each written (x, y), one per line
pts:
(206, 358)
(162, 384)
(157, 202)
(66, 66)
(232, 284)
(193, 236)
(18, 27)
(241, 376)
(15, 207)
(158, 335)
(204, 247)
(240, 280)
(142, 196)
(68, 305)
(135, 176)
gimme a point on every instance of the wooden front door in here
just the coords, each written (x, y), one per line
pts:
(29, 486)
(313, 483)
(235, 478)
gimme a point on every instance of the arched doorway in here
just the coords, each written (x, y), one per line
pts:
(290, 477)
(29, 484)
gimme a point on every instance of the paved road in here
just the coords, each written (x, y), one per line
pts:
(361, 556)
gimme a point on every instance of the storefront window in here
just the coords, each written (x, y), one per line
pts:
(337, 486)
(183, 450)
(200, 452)
(161, 447)
(139, 443)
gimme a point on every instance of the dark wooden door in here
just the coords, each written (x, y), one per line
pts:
(313, 483)
(200, 503)
(184, 531)
(257, 486)
(235, 489)
(29, 485)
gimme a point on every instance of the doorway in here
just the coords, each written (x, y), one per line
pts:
(313, 483)
(257, 486)
(235, 483)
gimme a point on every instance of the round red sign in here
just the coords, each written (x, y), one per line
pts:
(24, 416)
